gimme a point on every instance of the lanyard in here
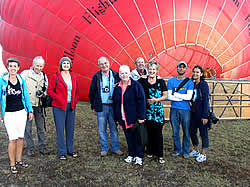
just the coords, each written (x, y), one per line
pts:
(108, 83)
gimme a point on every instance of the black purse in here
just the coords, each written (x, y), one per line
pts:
(46, 101)
(212, 119)
(142, 133)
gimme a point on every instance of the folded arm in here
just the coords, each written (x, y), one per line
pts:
(162, 98)
(187, 96)
(173, 97)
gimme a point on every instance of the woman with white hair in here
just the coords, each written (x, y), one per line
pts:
(129, 108)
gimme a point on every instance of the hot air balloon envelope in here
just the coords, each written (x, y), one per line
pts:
(209, 33)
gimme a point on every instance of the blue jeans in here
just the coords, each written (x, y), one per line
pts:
(64, 120)
(196, 124)
(102, 118)
(178, 116)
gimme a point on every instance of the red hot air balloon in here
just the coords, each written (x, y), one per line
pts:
(210, 33)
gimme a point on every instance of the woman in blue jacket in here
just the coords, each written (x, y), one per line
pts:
(15, 102)
(129, 106)
(199, 114)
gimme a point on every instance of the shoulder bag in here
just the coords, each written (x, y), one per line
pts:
(47, 100)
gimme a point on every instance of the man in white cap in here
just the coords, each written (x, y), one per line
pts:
(180, 91)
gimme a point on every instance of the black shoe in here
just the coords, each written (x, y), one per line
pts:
(13, 170)
(21, 164)
(44, 151)
(62, 157)
(30, 153)
(74, 155)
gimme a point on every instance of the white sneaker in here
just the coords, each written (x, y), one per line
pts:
(201, 158)
(194, 153)
(129, 159)
(138, 161)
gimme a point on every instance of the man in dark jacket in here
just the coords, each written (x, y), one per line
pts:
(100, 96)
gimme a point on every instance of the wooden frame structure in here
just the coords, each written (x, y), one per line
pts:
(229, 99)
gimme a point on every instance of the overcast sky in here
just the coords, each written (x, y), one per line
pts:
(2, 67)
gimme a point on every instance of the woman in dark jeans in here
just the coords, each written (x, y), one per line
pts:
(129, 108)
(199, 115)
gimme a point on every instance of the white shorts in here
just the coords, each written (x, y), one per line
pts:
(15, 123)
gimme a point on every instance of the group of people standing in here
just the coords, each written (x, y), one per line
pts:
(125, 98)
(21, 94)
(131, 98)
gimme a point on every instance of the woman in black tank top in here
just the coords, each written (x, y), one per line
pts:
(15, 103)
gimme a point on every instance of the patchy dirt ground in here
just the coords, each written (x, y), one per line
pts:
(227, 163)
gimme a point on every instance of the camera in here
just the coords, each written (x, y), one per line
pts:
(213, 118)
(105, 90)
(39, 93)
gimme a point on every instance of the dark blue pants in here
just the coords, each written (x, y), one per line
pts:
(155, 138)
(64, 120)
(134, 149)
(196, 124)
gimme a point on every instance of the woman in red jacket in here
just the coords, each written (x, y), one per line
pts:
(64, 90)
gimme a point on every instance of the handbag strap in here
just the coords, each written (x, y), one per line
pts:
(44, 87)
(57, 77)
(44, 78)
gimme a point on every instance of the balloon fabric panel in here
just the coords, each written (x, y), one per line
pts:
(213, 34)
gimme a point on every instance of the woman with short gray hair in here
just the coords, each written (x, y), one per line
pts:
(64, 90)
(155, 91)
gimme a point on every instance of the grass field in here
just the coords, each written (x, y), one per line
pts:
(227, 160)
